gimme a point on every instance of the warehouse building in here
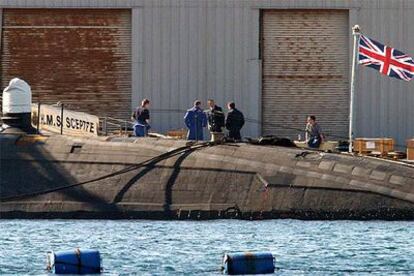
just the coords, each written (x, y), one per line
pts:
(278, 60)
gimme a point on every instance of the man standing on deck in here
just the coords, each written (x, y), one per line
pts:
(215, 117)
(195, 119)
(234, 121)
(141, 116)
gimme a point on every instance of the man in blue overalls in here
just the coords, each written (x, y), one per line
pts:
(195, 119)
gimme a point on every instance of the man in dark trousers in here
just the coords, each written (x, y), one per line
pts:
(141, 116)
(234, 121)
(313, 133)
(215, 117)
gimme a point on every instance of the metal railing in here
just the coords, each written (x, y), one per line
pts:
(111, 125)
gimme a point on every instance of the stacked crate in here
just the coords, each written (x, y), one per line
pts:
(381, 146)
(410, 149)
(178, 133)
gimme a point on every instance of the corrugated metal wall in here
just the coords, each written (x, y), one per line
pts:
(1, 67)
(1, 44)
(198, 50)
(385, 106)
(183, 49)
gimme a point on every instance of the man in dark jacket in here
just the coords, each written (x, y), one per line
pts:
(141, 117)
(215, 117)
(234, 121)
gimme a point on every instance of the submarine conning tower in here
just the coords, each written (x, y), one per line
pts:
(17, 107)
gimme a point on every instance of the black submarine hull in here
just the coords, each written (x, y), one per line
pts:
(60, 176)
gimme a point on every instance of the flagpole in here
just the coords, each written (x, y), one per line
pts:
(356, 33)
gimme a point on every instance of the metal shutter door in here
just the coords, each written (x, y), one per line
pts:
(305, 71)
(79, 57)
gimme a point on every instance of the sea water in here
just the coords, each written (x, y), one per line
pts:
(141, 247)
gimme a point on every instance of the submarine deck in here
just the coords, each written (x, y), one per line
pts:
(69, 177)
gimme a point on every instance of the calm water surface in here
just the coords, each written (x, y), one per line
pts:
(139, 247)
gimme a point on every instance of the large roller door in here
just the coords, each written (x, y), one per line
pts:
(79, 57)
(305, 70)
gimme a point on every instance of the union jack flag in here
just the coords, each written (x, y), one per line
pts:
(387, 60)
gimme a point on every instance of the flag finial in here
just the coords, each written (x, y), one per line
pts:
(356, 30)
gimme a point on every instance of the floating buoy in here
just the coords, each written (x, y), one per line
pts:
(248, 263)
(76, 261)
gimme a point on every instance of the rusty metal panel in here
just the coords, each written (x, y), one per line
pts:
(308, 4)
(79, 57)
(70, 3)
(305, 70)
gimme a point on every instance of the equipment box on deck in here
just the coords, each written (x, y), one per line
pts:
(410, 149)
(380, 145)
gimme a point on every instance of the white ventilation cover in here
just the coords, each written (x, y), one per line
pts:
(17, 97)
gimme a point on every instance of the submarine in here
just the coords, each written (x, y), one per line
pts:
(49, 175)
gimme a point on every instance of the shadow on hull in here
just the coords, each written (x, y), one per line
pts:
(126, 178)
